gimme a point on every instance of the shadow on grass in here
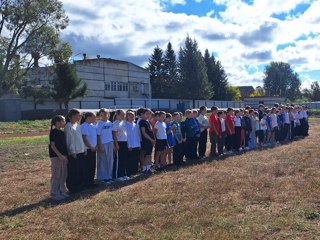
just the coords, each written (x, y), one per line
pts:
(49, 203)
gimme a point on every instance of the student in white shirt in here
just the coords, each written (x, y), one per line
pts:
(76, 149)
(89, 135)
(134, 144)
(237, 128)
(121, 145)
(105, 146)
(204, 125)
(161, 141)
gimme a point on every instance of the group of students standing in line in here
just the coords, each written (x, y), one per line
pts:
(81, 148)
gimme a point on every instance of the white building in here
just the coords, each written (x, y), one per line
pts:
(106, 78)
(110, 78)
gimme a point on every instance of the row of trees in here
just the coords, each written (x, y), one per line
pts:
(191, 75)
(281, 80)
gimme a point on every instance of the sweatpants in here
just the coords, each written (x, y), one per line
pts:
(214, 142)
(133, 161)
(105, 162)
(252, 140)
(59, 173)
(75, 179)
(122, 163)
(203, 143)
(178, 154)
(90, 162)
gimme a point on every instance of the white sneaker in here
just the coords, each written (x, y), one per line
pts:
(121, 179)
(126, 178)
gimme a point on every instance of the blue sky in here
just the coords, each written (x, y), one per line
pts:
(244, 35)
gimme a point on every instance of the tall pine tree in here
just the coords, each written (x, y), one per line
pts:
(170, 70)
(216, 76)
(157, 77)
(67, 85)
(194, 82)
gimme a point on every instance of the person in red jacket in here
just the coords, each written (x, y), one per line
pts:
(230, 130)
(213, 131)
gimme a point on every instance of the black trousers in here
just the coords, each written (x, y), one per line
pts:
(75, 179)
(178, 154)
(133, 161)
(122, 159)
(90, 162)
(229, 142)
(237, 138)
(246, 137)
(221, 141)
(191, 148)
(304, 127)
(214, 143)
(292, 131)
(203, 143)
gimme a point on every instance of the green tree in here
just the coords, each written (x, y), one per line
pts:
(170, 70)
(216, 76)
(194, 82)
(315, 91)
(232, 94)
(38, 93)
(67, 85)
(26, 26)
(281, 80)
(258, 92)
(157, 76)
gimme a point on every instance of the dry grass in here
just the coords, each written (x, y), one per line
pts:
(267, 194)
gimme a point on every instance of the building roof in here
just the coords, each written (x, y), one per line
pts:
(107, 60)
(245, 91)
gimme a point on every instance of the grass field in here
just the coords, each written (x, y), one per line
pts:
(24, 127)
(265, 194)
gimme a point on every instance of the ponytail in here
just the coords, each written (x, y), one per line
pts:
(55, 120)
(117, 113)
(85, 116)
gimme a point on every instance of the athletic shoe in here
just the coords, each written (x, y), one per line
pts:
(66, 195)
(121, 179)
(126, 178)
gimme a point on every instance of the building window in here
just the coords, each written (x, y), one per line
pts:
(116, 87)
(107, 86)
(136, 87)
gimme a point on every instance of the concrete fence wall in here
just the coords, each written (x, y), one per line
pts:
(168, 104)
(14, 108)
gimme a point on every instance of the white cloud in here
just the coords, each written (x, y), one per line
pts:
(209, 14)
(246, 35)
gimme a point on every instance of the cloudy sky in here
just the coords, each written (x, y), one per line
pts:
(244, 35)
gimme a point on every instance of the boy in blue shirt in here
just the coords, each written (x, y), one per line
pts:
(191, 131)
